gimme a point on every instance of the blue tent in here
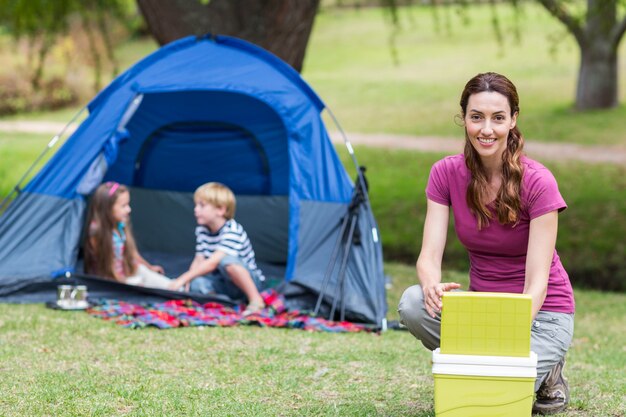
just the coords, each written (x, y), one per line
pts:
(199, 110)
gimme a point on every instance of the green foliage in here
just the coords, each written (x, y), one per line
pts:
(37, 17)
(29, 18)
(42, 23)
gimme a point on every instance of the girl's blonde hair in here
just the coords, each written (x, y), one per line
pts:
(98, 246)
(508, 200)
(218, 195)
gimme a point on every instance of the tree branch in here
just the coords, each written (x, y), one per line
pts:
(572, 25)
(617, 32)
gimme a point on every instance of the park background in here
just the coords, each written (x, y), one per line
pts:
(378, 78)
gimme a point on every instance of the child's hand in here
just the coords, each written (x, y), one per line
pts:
(176, 285)
(156, 268)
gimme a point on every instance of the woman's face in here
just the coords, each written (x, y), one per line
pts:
(121, 207)
(488, 121)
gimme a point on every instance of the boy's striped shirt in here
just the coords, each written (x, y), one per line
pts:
(230, 239)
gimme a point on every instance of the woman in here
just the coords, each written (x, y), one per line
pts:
(505, 209)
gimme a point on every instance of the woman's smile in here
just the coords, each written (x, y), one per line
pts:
(486, 141)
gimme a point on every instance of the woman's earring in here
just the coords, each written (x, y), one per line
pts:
(458, 120)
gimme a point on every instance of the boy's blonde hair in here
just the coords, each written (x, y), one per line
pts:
(218, 195)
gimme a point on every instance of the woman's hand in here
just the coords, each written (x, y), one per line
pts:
(156, 268)
(433, 294)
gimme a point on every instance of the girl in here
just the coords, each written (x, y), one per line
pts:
(110, 249)
(505, 209)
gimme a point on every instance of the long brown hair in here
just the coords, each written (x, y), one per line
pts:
(508, 200)
(99, 256)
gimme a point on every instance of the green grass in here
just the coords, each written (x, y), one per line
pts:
(349, 63)
(18, 151)
(67, 363)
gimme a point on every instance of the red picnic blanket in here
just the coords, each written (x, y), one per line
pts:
(183, 313)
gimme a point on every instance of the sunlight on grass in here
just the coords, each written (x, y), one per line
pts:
(67, 363)
(350, 64)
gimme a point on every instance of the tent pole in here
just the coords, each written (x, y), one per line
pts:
(53, 141)
(360, 177)
(342, 268)
(362, 183)
(353, 214)
(331, 265)
(341, 279)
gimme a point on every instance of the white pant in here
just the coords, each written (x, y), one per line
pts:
(145, 277)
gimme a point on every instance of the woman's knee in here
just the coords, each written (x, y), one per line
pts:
(411, 306)
(414, 316)
(551, 337)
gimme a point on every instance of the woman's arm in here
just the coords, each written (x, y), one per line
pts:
(541, 242)
(431, 254)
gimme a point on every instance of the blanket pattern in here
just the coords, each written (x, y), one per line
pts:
(183, 313)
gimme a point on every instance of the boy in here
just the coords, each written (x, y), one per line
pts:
(224, 261)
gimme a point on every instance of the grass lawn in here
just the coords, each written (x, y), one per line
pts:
(349, 63)
(18, 151)
(67, 363)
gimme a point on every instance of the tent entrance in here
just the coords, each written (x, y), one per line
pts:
(179, 140)
(163, 225)
(183, 156)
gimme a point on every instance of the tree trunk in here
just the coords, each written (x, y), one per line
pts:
(598, 37)
(282, 27)
(597, 77)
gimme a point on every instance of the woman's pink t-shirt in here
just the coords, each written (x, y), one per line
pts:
(498, 252)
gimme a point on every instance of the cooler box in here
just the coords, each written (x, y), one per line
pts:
(486, 323)
(484, 386)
